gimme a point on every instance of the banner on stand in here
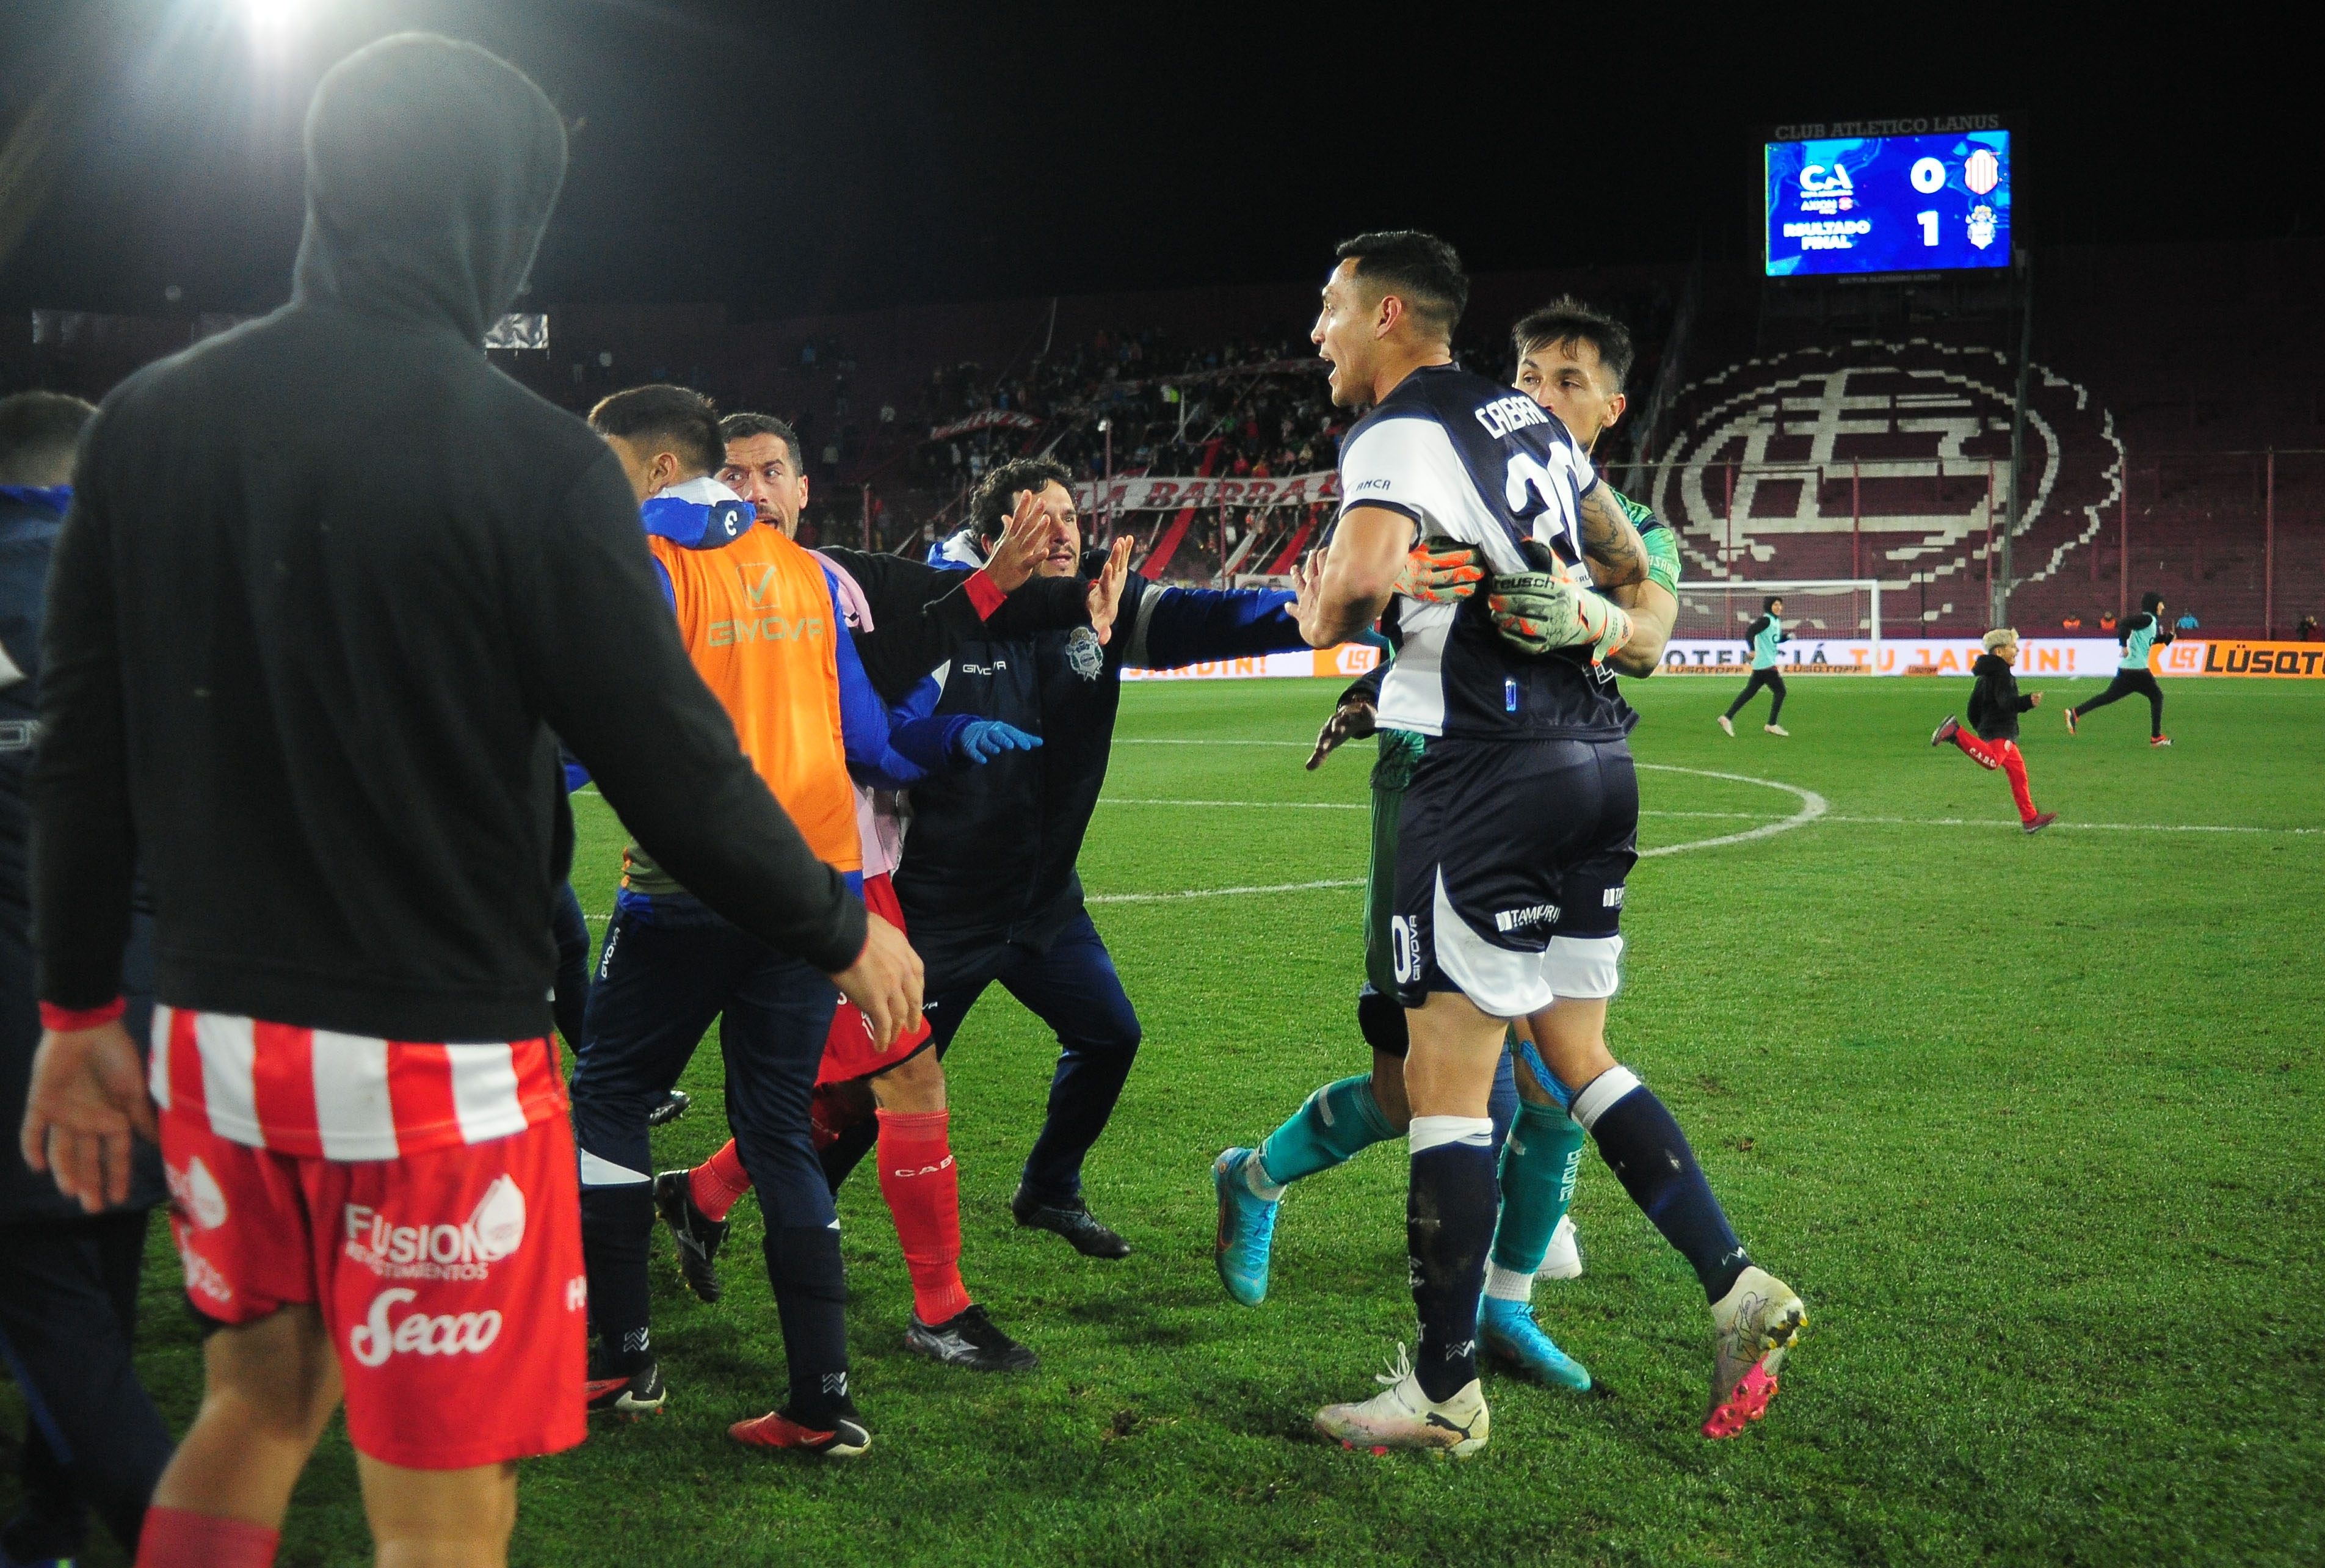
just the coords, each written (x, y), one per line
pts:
(1145, 493)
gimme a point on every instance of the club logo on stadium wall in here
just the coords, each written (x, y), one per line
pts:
(1882, 459)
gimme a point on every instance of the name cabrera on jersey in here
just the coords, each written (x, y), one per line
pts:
(1468, 459)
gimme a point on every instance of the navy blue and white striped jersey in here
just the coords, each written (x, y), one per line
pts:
(1469, 459)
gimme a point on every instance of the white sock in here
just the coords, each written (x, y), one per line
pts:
(1507, 1283)
(1255, 1176)
(1428, 1132)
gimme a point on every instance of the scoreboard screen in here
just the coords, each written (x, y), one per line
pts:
(1888, 204)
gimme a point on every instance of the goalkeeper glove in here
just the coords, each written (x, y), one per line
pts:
(1541, 611)
(1440, 571)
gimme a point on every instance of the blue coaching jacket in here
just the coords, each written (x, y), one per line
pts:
(990, 857)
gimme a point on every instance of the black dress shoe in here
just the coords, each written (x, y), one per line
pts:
(1090, 1237)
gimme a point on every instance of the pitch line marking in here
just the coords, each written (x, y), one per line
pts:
(1812, 806)
(1365, 806)
(2083, 827)
(1218, 892)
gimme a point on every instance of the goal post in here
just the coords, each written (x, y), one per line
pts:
(1716, 609)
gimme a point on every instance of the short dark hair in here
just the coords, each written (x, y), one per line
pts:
(39, 430)
(678, 415)
(1418, 268)
(742, 427)
(1567, 320)
(989, 508)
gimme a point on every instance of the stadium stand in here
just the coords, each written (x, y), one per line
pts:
(1791, 433)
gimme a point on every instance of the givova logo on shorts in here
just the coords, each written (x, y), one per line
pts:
(375, 1338)
(1404, 950)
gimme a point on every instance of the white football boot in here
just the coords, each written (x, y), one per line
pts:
(1403, 1417)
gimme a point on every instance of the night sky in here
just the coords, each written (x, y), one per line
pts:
(783, 159)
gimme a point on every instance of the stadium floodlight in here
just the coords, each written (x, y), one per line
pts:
(274, 23)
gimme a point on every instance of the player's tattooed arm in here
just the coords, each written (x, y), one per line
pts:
(1611, 540)
(1655, 609)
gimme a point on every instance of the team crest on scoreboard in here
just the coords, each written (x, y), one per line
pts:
(1882, 459)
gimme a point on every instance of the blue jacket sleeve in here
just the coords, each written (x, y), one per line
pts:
(1171, 626)
(920, 733)
(872, 756)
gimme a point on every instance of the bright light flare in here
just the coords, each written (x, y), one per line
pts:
(275, 24)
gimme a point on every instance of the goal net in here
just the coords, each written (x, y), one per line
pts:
(1718, 611)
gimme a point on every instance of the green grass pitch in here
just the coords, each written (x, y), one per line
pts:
(2037, 1126)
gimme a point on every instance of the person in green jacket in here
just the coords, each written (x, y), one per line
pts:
(1763, 635)
(2137, 635)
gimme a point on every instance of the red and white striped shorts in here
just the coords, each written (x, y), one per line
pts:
(421, 1196)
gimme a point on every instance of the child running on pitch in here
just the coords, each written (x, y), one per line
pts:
(1995, 706)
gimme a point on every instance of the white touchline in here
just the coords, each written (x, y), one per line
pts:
(1365, 806)
(2081, 827)
(1218, 892)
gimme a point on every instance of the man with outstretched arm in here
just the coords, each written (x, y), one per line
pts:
(312, 684)
(998, 902)
(902, 617)
(1526, 776)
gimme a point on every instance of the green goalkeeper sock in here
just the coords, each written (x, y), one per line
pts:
(1333, 1126)
(1539, 1161)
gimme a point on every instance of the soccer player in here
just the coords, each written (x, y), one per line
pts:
(1995, 706)
(760, 619)
(1573, 361)
(330, 590)
(902, 616)
(991, 900)
(1524, 775)
(1763, 635)
(2137, 635)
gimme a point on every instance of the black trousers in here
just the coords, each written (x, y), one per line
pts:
(569, 1000)
(2126, 682)
(1074, 989)
(68, 1322)
(1773, 682)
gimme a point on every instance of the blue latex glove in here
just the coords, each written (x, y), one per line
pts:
(986, 738)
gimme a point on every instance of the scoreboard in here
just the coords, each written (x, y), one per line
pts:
(1888, 204)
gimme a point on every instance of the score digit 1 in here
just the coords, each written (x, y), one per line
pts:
(1929, 222)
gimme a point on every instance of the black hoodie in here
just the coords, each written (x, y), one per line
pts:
(1994, 703)
(329, 582)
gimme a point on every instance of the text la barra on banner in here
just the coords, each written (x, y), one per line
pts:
(1145, 493)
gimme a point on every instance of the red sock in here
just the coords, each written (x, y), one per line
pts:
(922, 1187)
(175, 1538)
(2014, 766)
(718, 1183)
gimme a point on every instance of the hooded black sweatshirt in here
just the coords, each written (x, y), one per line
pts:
(1994, 703)
(329, 584)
